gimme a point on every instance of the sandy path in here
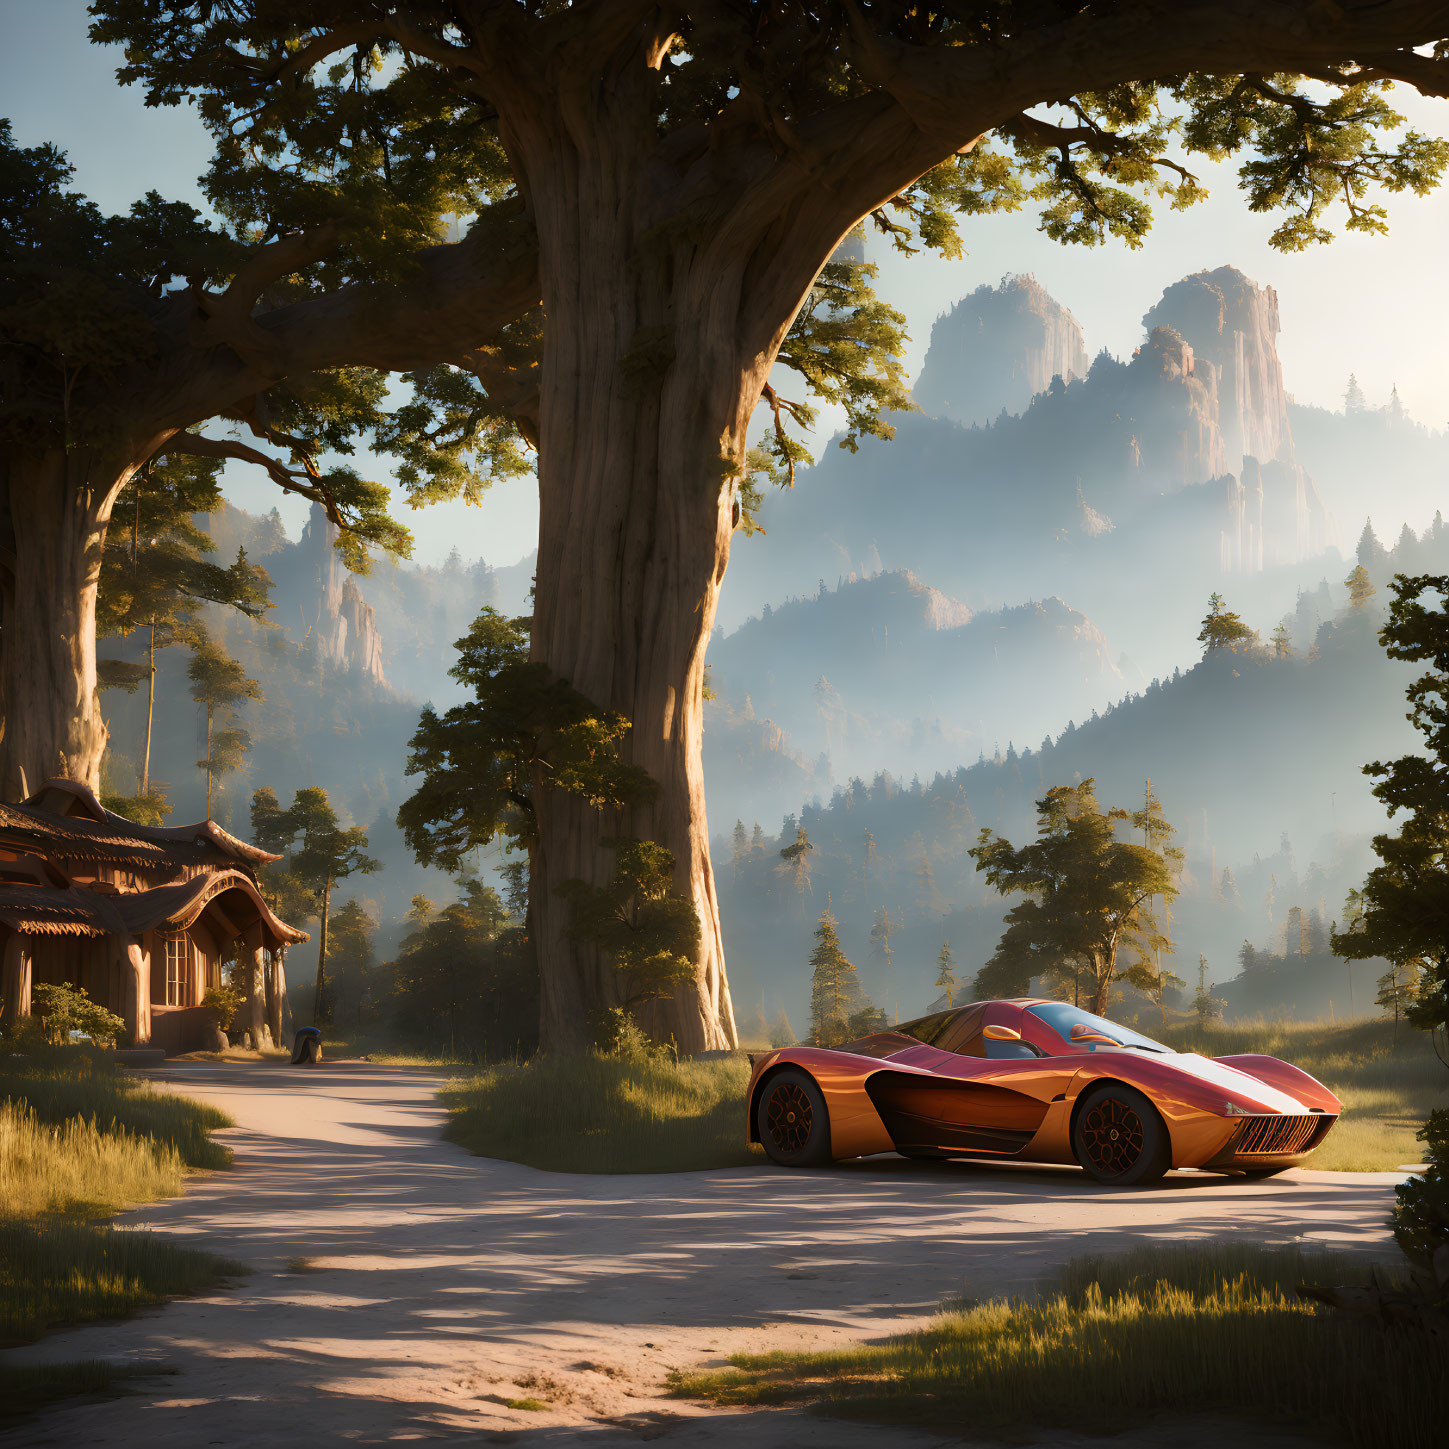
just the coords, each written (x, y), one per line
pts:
(442, 1283)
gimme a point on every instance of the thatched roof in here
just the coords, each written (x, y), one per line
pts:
(65, 821)
(77, 911)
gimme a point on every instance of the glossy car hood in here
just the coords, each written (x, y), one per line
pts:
(1236, 1086)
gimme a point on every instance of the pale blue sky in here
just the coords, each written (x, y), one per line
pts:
(1375, 306)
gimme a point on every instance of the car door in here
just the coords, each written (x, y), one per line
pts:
(987, 1093)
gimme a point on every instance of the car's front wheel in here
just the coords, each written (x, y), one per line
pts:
(1120, 1138)
(793, 1123)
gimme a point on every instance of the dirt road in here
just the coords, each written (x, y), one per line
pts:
(436, 1285)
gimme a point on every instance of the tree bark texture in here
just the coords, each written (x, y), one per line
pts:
(58, 507)
(138, 992)
(647, 388)
(17, 969)
(319, 1002)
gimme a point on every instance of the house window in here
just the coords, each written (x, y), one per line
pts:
(178, 971)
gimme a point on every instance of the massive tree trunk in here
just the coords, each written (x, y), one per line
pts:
(57, 505)
(646, 394)
(634, 534)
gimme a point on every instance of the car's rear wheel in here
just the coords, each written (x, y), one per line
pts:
(792, 1119)
(1119, 1137)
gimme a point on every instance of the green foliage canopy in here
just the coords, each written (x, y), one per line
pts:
(1403, 912)
(355, 133)
(649, 930)
(1088, 895)
(523, 730)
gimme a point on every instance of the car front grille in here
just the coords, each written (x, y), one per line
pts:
(1275, 1136)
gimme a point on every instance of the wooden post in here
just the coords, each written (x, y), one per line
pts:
(279, 1009)
(138, 991)
(17, 972)
(256, 1005)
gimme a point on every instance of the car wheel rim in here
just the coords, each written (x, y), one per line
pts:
(789, 1117)
(1112, 1135)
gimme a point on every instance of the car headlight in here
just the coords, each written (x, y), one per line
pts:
(1231, 1109)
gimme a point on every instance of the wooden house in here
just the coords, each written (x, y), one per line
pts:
(141, 916)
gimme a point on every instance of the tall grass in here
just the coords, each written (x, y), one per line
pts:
(595, 1113)
(1388, 1086)
(66, 1084)
(54, 1272)
(76, 1168)
(81, 1140)
(1157, 1331)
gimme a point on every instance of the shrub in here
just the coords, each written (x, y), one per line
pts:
(1421, 1219)
(222, 1003)
(63, 1008)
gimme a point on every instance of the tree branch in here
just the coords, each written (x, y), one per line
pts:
(227, 316)
(458, 298)
(307, 484)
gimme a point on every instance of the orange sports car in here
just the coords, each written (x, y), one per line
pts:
(1036, 1081)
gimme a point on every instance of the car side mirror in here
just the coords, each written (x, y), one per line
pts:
(1001, 1033)
(1082, 1032)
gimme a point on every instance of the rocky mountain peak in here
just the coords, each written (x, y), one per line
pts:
(997, 349)
(345, 627)
(1232, 322)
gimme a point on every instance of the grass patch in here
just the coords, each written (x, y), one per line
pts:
(593, 1113)
(56, 1272)
(24, 1390)
(531, 1404)
(1157, 1331)
(68, 1083)
(80, 1139)
(596, 1113)
(77, 1169)
(1388, 1088)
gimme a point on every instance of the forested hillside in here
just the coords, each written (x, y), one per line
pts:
(1256, 760)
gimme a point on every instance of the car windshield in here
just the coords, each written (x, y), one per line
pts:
(1093, 1033)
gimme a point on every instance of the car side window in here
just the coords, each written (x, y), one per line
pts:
(1002, 1050)
(965, 1038)
(932, 1030)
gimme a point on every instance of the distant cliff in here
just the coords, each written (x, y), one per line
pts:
(343, 623)
(997, 349)
(1232, 322)
(1178, 458)
(886, 671)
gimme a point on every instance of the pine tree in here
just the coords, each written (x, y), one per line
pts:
(1222, 629)
(219, 684)
(1360, 588)
(1294, 933)
(740, 845)
(796, 862)
(1205, 1004)
(155, 576)
(1353, 398)
(1087, 896)
(1282, 640)
(1399, 989)
(1370, 552)
(946, 972)
(928, 897)
(321, 853)
(881, 931)
(834, 986)
(757, 840)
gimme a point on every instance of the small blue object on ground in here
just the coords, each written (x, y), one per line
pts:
(307, 1049)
